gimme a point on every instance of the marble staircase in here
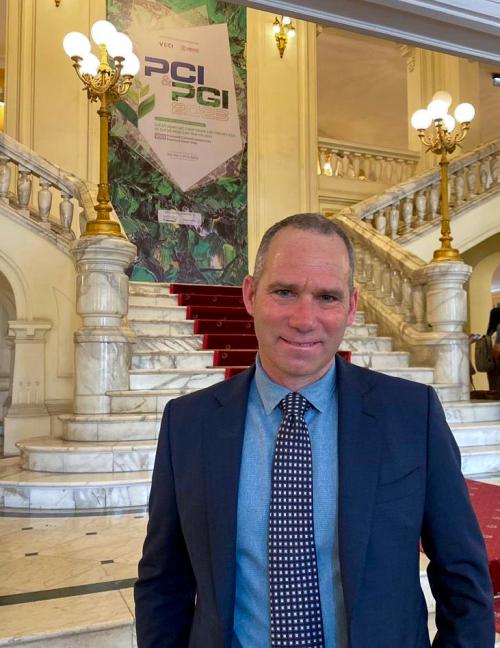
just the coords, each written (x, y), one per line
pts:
(105, 461)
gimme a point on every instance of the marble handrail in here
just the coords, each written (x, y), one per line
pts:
(365, 163)
(405, 209)
(421, 306)
(16, 190)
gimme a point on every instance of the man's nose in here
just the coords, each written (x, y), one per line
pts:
(303, 314)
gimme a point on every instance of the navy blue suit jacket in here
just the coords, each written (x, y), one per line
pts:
(399, 482)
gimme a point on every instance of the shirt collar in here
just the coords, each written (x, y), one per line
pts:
(318, 393)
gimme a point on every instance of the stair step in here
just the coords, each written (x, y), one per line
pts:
(152, 342)
(110, 427)
(177, 288)
(161, 328)
(217, 312)
(423, 375)
(476, 433)
(229, 341)
(199, 299)
(480, 460)
(173, 360)
(143, 401)
(28, 489)
(163, 313)
(155, 300)
(447, 392)
(380, 360)
(366, 343)
(47, 454)
(469, 411)
(174, 378)
(148, 288)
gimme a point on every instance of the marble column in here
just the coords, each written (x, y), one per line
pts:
(103, 343)
(446, 306)
(27, 414)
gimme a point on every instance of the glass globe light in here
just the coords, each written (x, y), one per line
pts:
(119, 45)
(421, 119)
(76, 44)
(102, 32)
(131, 65)
(442, 95)
(464, 112)
(287, 20)
(276, 28)
(90, 64)
(291, 31)
(449, 122)
(437, 109)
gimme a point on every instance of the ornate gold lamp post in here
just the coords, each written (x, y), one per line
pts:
(107, 84)
(443, 140)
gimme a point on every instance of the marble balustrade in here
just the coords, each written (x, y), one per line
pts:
(365, 163)
(44, 193)
(422, 306)
(403, 210)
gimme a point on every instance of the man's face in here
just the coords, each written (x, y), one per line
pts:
(301, 305)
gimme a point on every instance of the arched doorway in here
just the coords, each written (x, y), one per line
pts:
(7, 312)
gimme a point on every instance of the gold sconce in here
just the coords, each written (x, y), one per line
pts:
(443, 140)
(107, 84)
(283, 29)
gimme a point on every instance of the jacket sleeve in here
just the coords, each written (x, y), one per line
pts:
(165, 590)
(451, 538)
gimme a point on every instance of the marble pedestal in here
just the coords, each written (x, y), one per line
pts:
(103, 343)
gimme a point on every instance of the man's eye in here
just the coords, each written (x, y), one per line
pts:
(328, 299)
(283, 292)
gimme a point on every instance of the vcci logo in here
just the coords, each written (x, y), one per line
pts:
(187, 82)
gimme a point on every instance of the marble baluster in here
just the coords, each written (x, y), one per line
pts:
(394, 216)
(44, 201)
(24, 184)
(386, 278)
(495, 168)
(380, 221)
(339, 166)
(378, 168)
(5, 174)
(356, 163)
(407, 214)
(104, 340)
(472, 179)
(360, 263)
(368, 266)
(434, 198)
(66, 212)
(419, 306)
(420, 208)
(407, 299)
(459, 187)
(396, 289)
(485, 176)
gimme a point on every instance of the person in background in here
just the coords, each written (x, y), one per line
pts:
(494, 331)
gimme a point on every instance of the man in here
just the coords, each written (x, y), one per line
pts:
(288, 503)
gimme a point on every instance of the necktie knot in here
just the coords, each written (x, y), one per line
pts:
(295, 404)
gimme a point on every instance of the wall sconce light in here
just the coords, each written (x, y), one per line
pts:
(283, 29)
(495, 77)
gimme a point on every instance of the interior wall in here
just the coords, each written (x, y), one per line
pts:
(489, 102)
(361, 89)
(7, 312)
(484, 259)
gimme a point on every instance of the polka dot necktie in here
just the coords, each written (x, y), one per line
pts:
(293, 573)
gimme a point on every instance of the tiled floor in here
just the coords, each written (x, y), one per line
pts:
(69, 574)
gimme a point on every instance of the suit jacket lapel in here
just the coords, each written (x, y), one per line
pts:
(223, 441)
(359, 444)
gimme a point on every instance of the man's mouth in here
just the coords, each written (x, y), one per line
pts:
(300, 345)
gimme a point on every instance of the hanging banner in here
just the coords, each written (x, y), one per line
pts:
(178, 141)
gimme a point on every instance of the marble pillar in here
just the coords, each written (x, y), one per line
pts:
(446, 309)
(27, 414)
(103, 343)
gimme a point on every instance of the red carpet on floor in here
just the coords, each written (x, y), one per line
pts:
(485, 499)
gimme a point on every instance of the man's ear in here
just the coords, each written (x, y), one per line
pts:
(248, 293)
(353, 304)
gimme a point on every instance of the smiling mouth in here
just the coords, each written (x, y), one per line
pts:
(300, 345)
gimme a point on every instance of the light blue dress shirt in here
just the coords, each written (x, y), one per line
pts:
(252, 616)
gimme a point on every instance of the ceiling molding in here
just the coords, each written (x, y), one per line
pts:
(449, 26)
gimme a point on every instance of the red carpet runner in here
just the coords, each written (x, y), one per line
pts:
(227, 329)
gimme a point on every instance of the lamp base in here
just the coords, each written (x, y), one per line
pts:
(100, 227)
(446, 254)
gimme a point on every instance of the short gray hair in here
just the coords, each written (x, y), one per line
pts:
(308, 222)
